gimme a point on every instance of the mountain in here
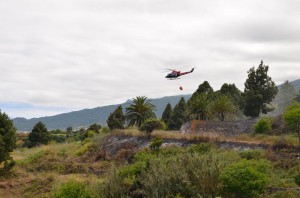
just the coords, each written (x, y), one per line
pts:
(86, 117)
(296, 84)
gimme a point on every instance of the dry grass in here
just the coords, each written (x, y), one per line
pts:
(288, 139)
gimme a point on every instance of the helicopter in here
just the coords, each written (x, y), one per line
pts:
(175, 74)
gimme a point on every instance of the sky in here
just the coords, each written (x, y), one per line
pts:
(59, 56)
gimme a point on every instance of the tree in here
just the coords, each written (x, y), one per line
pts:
(116, 120)
(39, 135)
(203, 88)
(178, 115)
(223, 107)
(69, 130)
(151, 124)
(292, 117)
(167, 113)
(140, 110)
(259, 91)
(200, 108)
(94, 127)
(7, 141)
(246, 178)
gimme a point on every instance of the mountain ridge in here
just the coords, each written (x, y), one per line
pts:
(86, 117)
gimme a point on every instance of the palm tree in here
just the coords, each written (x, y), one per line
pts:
(200, 107)
(140, 110)
(223, 107)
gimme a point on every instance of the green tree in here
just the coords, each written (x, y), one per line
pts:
(203, 88)
(245, 179)
(116, 120)
(259, 91)
(178, 115)
(200, 108)
(39, 135)
(140, 110)
(292, 117)
(223, 107)
(151, 124)
(69, 130)
(167, 114)
(7, 140)
(94, 127)
(232, 92)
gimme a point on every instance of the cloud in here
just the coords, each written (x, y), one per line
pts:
(67, 55)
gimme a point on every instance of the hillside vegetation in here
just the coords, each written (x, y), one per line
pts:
(125, 163)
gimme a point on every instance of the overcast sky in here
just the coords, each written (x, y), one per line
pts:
(62, 55)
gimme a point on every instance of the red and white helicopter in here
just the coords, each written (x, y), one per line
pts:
(175, 74)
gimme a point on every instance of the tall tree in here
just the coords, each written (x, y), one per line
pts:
(178, 115)
(167, 114)
(140, 110)
(39, 135)
(7, 140)
(259, 91)
(297, 97)
(203, 88)
(116, 120)
(223, 107)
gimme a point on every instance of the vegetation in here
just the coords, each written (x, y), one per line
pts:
(151, 124)
(178, 115)
(223, 107)
(263, 125)
(246, 178)
(200, 108)
(259, 91)
(39, 135)
(292, 117)
(167, 114)
(140, 110)
(116, 120)
(7, 141)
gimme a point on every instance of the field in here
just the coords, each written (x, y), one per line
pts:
(125, 163)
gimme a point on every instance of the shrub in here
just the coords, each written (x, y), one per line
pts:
(151, 124)
(156, 144)
(246, 178)
(263, 125)
(201, 148)
(72, 189)
(297, 179)
(252, 154)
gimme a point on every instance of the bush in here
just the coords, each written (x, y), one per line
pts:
(297, 179)
(263, 125)
(151, 124)
(72, 189)
(156, 144)
(252, 154)
(246, 178)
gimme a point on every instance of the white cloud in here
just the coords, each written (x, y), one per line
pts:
(87, 53)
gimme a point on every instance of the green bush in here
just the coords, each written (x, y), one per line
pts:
(156, 144)
(252, 154)
(285, 194)
(201, 148)
(72, 189)
(150, 125)
(246, 178)
(263, 125)
(297, 179)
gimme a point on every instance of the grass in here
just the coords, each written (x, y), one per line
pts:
(288, 139)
